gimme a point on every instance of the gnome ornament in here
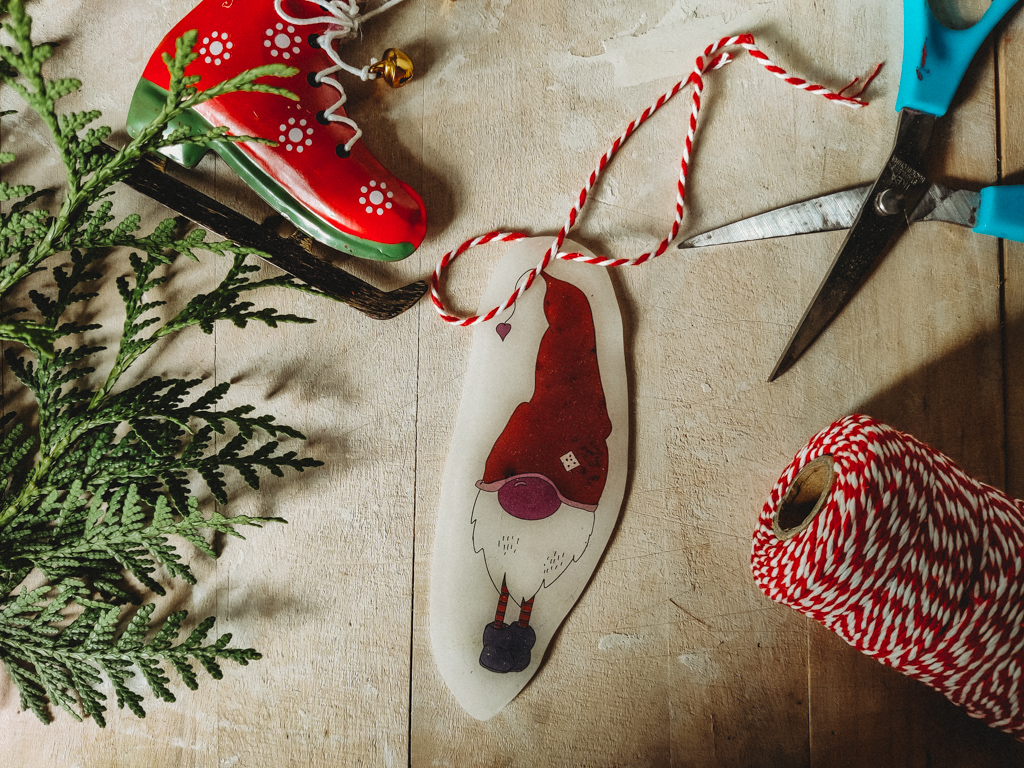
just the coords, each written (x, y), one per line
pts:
(535, 515)
(319, 173)
(535, 477)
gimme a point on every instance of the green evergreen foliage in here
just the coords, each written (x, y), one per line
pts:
(98, 485)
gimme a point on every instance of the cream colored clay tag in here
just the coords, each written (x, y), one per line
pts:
(535, 476)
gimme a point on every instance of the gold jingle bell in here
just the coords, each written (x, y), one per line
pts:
(394, 66)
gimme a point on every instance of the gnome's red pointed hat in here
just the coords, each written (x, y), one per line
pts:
(553, 449)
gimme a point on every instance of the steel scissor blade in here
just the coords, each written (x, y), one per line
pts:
(826, 213)
(898, 189)
(835, 211)
(957, 206)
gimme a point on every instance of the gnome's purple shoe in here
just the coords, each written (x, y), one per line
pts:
(522, 641)
(497, 654)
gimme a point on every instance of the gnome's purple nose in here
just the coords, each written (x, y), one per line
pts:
(529, 497)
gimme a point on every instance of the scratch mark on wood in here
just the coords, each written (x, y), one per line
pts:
(645, 555)
(691, 616)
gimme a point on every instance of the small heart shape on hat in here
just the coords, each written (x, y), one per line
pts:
(503, 329)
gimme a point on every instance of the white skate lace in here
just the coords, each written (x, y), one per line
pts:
(343, 21)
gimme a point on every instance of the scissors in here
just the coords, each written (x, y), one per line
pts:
(935, 59)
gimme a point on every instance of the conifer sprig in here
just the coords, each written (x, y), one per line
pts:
(106, 480)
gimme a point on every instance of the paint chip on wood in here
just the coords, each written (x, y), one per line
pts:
(614, 641)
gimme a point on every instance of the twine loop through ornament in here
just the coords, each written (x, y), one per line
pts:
(713, 57)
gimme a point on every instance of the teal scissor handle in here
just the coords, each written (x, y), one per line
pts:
(1001, 212)
(936, 57)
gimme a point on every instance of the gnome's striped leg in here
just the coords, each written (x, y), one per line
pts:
(524, 610)
(522, 637)
(499, 614)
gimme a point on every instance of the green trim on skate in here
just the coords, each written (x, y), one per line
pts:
(146, 104)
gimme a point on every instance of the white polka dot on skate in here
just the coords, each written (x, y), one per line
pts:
(375, 194)
(216, 48)
(295, 135)
(282, 41)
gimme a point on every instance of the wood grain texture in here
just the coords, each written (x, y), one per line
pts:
(672, 656)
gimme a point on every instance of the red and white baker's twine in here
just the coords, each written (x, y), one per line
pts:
(712, 58)
(910, 561)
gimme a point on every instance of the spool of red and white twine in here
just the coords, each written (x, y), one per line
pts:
(890, 545)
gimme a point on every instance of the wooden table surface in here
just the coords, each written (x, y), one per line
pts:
(672, 656)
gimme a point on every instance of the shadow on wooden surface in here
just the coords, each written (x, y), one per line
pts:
(938, 404)
(900, 721)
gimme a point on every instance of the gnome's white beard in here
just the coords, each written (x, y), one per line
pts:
(528, 554)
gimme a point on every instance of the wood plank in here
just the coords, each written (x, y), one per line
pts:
(189, 734)
(672, 657)
(948, 339)
(1010, 52)
(674, 590)
(324, 598)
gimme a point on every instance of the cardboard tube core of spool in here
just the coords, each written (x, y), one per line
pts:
(804, 498)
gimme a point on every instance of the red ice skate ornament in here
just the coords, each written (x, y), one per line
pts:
(535, 478)
(320, 175)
